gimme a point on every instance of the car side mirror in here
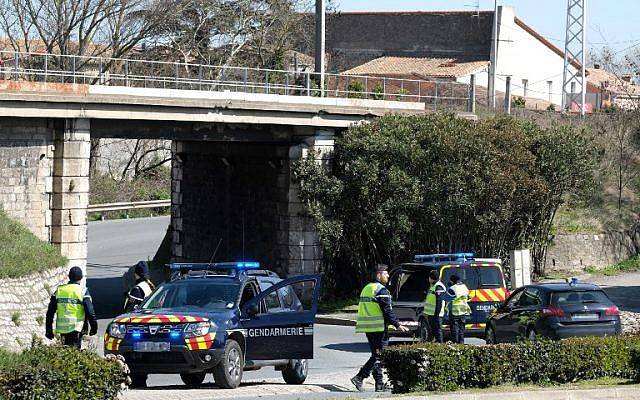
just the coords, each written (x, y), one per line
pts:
(252, 310)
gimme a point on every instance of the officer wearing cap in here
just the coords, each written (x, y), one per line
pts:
(142, 288)
(71, 304)
(434, 307)
(374, 316)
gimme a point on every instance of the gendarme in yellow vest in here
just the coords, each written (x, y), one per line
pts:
(370, 317)
(70, 311)
(430, 301)
(459, 305)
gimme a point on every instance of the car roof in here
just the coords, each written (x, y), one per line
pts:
(564, 286)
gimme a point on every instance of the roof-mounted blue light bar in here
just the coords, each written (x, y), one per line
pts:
(239, 265)
(442, 257)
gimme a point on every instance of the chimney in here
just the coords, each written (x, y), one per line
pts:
(626, 78)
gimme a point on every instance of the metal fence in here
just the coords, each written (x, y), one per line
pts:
(39, 67)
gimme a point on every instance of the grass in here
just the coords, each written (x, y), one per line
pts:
(575, 220)
(22, 253)
(337, 305)
(630, 265)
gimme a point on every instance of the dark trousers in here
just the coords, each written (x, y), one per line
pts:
(435, 329)
(378, 341)
(73, 339)
(457, 329)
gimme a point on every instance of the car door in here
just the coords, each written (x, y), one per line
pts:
(503, 318)
(286, 330)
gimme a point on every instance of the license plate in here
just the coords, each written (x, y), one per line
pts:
(584, 317)
(153, 347)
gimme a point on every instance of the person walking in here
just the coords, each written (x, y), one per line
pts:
(72, 305)
(375, 314)
(434, 307)
(142, 288)
(459, 309)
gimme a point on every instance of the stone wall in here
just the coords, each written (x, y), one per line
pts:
(23, 306)
(26, 166)
(576, 251)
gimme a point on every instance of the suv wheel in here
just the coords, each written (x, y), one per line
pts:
(193, 379)
(228, 373)
(296, 372)
(490, 335)
(424, 330)
(138, 380)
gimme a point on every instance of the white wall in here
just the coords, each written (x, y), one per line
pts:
(523, 56)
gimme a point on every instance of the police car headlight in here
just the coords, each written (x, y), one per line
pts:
(117, 330)
(199, 329)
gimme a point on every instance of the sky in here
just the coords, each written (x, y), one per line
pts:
(612, 22)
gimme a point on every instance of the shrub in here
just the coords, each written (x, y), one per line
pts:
(60, 373)
(355, 90)
(437, 367)
(519, 102)
(378, 91)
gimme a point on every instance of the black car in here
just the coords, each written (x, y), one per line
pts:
(555, 311)
(223, 318)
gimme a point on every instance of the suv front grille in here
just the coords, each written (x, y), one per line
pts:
(155, 358)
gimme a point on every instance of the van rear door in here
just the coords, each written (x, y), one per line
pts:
(488, 294)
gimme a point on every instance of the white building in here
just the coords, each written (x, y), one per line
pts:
(449, 45)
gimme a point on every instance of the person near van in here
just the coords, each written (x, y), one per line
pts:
(72, 305)
(434, 307)
(458, 306)
(374, 316)
(142, 288)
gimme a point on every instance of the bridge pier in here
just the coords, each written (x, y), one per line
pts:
(243, 196)
(70, 196)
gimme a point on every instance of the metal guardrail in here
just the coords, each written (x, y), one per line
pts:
(128, 206)
(41, 67)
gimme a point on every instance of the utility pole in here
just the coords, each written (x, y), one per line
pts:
(320, 43)
(494, 60)
(575, 51)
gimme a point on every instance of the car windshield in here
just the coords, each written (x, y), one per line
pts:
(475, 277)
(204, 296)
(579, 297)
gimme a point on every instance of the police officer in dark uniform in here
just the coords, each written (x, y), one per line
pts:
(142, 288)
(72, 305)
(374, 317)
(434, 307)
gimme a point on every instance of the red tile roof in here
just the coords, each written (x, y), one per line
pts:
(419, 67)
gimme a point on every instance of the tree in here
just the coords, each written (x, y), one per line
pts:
(437, 183)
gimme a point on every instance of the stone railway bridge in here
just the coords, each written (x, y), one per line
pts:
(231, 169)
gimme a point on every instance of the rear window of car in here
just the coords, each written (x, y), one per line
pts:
(490, 278)
(579, 297)
(476, 277)
(467, 274)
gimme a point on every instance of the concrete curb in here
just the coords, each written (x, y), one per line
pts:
(614, 393)
(331, 320)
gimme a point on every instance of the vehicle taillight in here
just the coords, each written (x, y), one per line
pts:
(612, 311)
(552, 312)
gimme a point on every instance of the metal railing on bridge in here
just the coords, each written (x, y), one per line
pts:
(130, 72)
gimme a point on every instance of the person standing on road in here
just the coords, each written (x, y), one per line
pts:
(434, 307)
(458, 295)
(72, 305)
(374, 316)
(141, 290)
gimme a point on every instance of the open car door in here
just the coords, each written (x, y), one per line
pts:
(279, 320)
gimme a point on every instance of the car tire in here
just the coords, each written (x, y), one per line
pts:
(138, 380)
(423, 331)
(296, 372)
(193, 379)
(490, 335)
(228, 373)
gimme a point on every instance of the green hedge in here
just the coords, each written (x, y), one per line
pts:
(60, 373)
(446, 367)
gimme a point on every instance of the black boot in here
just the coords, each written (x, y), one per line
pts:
(357, 382)
(381, 387)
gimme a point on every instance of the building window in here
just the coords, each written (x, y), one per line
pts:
(525, 87)
(550, 83)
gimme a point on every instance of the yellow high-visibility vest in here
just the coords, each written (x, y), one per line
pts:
(370, 317)
(70, 312)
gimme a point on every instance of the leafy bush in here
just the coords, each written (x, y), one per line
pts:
(402, 185)
(519, 102)
(447, 367)
(22, 253)
(378, 91)
(59, 373)
(355, 90)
